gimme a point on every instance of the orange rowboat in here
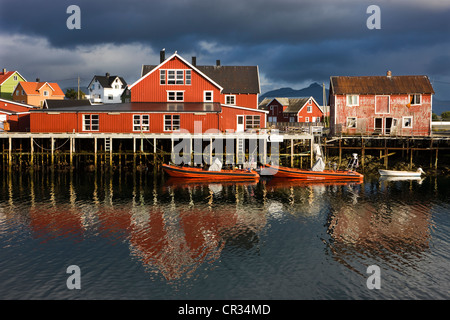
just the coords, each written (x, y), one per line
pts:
(200, 173)
(294, 173)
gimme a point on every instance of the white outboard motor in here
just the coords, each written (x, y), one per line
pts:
(353, 163)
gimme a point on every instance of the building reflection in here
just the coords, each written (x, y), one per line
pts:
(172, 233)
(384, 228)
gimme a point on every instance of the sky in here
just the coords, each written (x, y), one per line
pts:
(293, 42)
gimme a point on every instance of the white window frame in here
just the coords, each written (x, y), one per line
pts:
(356, 123)
(250, 122)
(46, 94)
(141, 122)
(415, 95)
(309, 109)
(91, 122)
(15, 78)
(176, 97)
(411, 122)
(208, 92)
(389, 104)
(162, 77)
(306, 119)
(174, 125)
(188, 77)
(232, 97)
(352, 104)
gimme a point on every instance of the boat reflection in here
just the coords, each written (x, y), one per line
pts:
(171, 235)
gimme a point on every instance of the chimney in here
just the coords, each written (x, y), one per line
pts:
(389, 74)
(194, 61)
(38, 80)
(162, 55)
(107, 74)
(218, 63)
(4, 70)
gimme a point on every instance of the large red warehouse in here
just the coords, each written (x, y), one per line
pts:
(172, 96)
(382, 105)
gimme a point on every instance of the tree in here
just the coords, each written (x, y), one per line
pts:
(434, 116)
(445, 115)
(72, 94)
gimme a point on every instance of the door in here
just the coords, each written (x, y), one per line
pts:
(388, 125)
(378, 126)
(240, 124)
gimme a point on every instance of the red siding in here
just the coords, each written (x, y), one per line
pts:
(149, 89)
(229, 117)
(366, 114)
(316, 112)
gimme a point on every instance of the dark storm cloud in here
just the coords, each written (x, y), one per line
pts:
(291, 40)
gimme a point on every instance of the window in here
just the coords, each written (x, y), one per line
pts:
(162, 76)
(188, 77)
(309, 109)
(313, 119)
(352, 100)
(306, 119)
(45, 93)
(272, 119)
(15, 78)
(170, 76)
(252, 122)
(110, 97)
(407, 122)
(415, 99)
(175, 95)
(292, 119)
(207, 96)
(90, 122)
(171, 122)
(351, 122)
(180, 77)
(141, 122)
(230, 99)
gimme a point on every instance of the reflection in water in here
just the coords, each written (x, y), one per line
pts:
(388, 227)
(176, 227)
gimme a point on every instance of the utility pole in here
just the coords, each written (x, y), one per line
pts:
(78, 92)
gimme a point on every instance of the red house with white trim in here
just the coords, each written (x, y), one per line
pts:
(305, 109)
(382, 105)
(14, 116)
(172, 96)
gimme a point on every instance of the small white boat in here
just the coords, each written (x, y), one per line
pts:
(394, 173)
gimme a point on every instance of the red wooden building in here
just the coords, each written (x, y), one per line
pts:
(305, 109)
(384, 105)
(172, 96)
(14, 116)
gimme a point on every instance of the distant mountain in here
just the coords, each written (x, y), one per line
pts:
(315, 90)
(440, 106)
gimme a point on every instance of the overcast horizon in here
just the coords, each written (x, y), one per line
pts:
(294, 43)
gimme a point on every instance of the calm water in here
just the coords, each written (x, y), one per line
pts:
(145, 237)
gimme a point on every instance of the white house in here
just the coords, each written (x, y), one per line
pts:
(106, 89)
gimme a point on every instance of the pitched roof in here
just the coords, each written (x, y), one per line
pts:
(31, 88)
(295, 104)
(232, 79)
(380, 85)
(107, 80)
(5, 75)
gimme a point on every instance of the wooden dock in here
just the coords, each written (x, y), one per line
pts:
(138, 150)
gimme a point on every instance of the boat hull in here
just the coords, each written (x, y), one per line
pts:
(393, 173)
(293, 173)
(199, 173)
